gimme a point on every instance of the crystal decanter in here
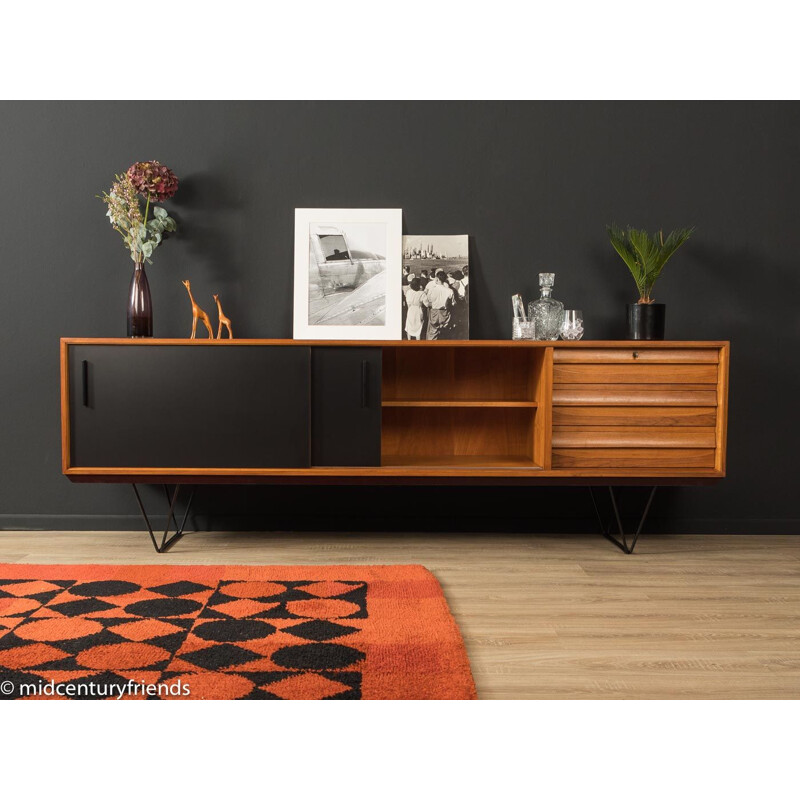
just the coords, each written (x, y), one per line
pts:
(546, 312)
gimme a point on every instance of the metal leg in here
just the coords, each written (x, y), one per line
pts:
(166, 542)
(622, 542)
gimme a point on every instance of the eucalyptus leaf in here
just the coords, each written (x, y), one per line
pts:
(159, 212)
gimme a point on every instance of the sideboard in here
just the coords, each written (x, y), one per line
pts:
(594, 413)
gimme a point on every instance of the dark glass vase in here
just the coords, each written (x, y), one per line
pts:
(140, 306)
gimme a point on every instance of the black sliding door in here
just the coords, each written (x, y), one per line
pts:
(346, 406)
(181, 406)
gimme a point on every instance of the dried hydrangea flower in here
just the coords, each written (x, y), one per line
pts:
(153, 180)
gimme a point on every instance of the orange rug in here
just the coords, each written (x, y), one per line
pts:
(345, 632)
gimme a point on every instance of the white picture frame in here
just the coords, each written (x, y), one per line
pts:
(344, 286)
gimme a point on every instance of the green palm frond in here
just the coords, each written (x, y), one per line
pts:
(646, 255)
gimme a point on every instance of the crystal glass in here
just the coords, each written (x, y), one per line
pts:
(572, 328)
(522, 329)
(547, 313)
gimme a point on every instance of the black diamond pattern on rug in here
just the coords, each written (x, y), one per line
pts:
(80, 608)
(317, 656)
(220, 656)
(166, 607)
(233, 630)
(104, 588)
(320, 630)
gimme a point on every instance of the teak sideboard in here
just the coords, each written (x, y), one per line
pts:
(597, 413)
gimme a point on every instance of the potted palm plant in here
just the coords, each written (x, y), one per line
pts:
(645, 256)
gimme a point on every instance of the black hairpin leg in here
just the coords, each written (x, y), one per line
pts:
(622, 542)
(166, 540)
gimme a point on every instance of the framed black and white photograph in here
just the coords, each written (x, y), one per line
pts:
(347, 273)
(435, 287)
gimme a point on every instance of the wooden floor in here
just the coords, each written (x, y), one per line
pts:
(551, 617)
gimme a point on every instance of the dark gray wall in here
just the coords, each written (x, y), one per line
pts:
(532, 183)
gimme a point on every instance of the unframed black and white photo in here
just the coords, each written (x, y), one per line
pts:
(435, 287)
(347, 268)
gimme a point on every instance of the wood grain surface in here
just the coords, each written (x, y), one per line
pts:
(644, 458)
(668, 416)
(619, 355)
(632, 436)
(624, 394)
(635, 373)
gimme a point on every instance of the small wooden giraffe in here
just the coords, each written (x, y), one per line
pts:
(223, 320)
(198, 313)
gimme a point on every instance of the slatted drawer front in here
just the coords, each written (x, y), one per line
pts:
(664, 458)
(649, 416)
(626, 394)
(619, 436)
(625, 355)
(635, 373)
(615, 408)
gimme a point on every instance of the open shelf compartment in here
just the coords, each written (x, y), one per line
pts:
(458, 437)
(457, 407)
(461, 374)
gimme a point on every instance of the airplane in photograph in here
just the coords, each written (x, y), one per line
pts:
(350, 284)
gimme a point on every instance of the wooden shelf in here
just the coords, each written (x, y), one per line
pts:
(458, 462)
(459, 403)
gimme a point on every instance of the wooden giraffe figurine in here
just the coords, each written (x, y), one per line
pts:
(198, 313)
(223, 320)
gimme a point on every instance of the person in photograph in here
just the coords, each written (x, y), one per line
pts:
(460, 311)
(440, 299)
(456, 281)
(424, 282)
(416, 302)
(407, 279)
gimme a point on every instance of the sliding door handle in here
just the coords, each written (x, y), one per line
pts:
(364, 384)
(85, 381)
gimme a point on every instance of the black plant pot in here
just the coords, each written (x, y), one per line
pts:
(646, 320)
